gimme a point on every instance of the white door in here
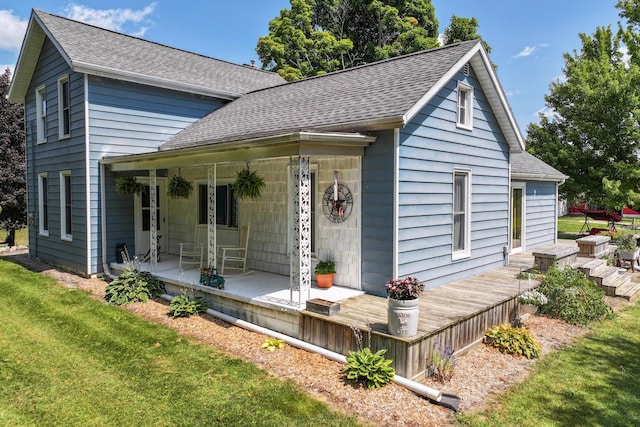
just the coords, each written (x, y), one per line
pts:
(143, 217)
(517, 216)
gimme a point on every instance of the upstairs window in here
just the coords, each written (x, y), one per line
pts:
(65, 205)
(43, 204)
(41, 115)
(465, 106)
(461, 214)
(226, 205)
(64, 107)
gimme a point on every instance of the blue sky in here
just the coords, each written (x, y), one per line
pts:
(528, 37)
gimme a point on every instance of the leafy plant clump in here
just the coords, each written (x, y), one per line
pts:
(443, 362)
(371, 369)
(248, 184)
(185, 306)
(325, 267)
(133, 286)
(513, 340)
(573, 297)
(533, 297)
(272, 344)
(179, 188)
(128, 186)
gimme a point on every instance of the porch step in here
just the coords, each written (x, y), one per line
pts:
(592, 267)
(611, 282)
(629, 291)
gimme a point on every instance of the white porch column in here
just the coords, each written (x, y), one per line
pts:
(211, 215)
(300, 223)
(153, 221)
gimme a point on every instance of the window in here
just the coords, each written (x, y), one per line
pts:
(64, 109)
(41, 113)
(65, 205)
(465, 106)
(226, 205)
(43, 205)
(461, 214)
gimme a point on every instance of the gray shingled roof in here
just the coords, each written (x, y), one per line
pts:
(526, 165)
(373, 92)
(99, 48)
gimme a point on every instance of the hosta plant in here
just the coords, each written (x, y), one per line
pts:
(272, 344)
(133, 286)
(513, 340)
(185, 306)
(371, 369)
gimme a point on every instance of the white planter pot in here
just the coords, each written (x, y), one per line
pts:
(528, 309)
(402, 317)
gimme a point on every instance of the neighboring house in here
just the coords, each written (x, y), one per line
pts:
(422, 149)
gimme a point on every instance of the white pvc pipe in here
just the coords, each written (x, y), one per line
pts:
(418, 388)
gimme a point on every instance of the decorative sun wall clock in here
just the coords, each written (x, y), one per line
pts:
(337, 202)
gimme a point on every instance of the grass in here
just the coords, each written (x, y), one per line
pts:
(593, 383)
(67, 359)
(569, 227)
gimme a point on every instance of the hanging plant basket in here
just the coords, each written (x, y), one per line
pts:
(128, 186)
(248, 184)
(179, 188)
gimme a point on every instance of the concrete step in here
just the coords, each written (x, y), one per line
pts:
(612, 282)
(593, 267)
(629, 291)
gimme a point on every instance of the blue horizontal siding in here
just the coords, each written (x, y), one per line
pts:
(541, 214)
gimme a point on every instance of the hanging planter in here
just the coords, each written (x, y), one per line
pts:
(248, 184)
(128, 186)
(179, 188)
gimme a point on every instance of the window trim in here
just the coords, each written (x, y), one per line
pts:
(464, 108)
(64, 112)
(41, 115)
(43, 208)
(230, 223)
(66, 211)
(466, 251)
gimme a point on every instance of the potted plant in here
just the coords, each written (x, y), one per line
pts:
(248, 184)
(179, 188)
(325, 271)
(128, 186)
(402, 306)
(531, 300)
(627, 246)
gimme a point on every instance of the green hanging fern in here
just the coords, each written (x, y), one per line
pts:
(248, 184)
(128, 186)
(179, 188)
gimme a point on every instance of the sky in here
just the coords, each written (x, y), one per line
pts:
(528, 38)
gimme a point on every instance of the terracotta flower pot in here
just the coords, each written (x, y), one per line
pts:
(325, 280)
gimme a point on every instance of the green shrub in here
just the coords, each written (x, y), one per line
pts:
(511, 340)
(370, 369)
(573, 297)
(184, 306)
(133, 286)
(443, 361)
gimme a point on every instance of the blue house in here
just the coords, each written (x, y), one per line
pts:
(413, 166)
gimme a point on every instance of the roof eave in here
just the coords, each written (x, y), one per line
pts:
(27, 60)
(537, 177)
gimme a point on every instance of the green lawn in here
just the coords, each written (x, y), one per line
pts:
(594, 383)
(67, 359)
(569, 227)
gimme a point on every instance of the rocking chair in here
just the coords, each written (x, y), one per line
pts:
(192, 253)
(235, 258)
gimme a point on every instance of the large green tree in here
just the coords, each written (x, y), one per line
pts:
(462, 29)
(13, 189)
(592, 133)
(318, 36)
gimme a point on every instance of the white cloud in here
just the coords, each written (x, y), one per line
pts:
(527, 51)
(112, 19)
(546, 112)
(12, 30)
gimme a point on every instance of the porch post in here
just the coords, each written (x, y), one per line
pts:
(211, 216)
(153, 222)
(300, 220)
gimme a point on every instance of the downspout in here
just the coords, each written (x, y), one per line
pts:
(103, 219)
(450, 401)
(87, 155)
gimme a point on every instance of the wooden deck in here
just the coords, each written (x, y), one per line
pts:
(457, 314)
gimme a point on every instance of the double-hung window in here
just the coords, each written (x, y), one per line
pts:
(226, 205)
(461, 214)
(43, 204)
(41, 115)
(64, 107)
(65, 205)
(465, 106)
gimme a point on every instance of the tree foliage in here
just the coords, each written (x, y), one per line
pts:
(13, 188)
(463, 29)
(593, 132)
(319, 36)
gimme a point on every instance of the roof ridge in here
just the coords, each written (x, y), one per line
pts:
(40, 11)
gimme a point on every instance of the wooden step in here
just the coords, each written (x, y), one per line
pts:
(602, 274)
(593, 267)
(629, 291)
(612, 282)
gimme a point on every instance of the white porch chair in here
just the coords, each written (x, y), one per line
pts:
(235, 258)
(192, 253)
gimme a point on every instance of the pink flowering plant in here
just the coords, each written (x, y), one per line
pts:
(404, 289)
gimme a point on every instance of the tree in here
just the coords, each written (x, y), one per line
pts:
(593, 134)
(13, 188)
(463, 29)
(319, 36)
